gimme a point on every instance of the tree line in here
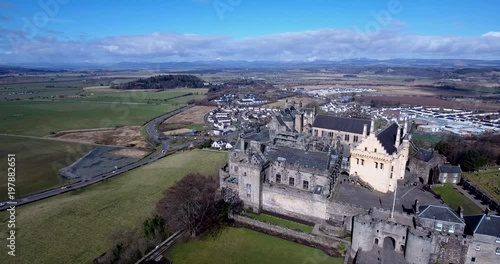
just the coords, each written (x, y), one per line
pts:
(163, 82)
(471, 153)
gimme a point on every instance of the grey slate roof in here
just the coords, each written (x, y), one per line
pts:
(485, 225)
(439, 213)
(424, 155)
(351, 125)
(261, 136)
(310, 159)
(388, 138)
(448, 168)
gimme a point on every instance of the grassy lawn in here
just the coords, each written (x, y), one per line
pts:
(281, 222)
(38, 162)
(455, 198)
(488, 181)
(240, 245)
(75, 227)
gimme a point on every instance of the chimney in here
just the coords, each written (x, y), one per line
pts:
(487, 213)
(242, 144)
(405, 130)
(372, 126)
(365, 130)
(398, 138)
(461, 212)
(417, 205)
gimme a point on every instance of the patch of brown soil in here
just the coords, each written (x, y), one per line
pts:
(129, 136)
(132, 153)
(194, 115)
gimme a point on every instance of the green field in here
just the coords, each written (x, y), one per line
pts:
(74, 227)
(280, 222)
(240, 245)
(175, 95)
(38, 162)
(103, 109)
(455, 198)
(488, 180)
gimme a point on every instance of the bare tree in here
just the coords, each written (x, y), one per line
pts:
(192, 204)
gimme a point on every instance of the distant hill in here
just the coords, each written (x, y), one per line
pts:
(163, 82)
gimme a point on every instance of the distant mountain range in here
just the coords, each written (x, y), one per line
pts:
(359, 62)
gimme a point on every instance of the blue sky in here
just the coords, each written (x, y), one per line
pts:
(164, 30)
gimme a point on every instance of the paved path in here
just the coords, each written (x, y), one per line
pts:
(470, 196)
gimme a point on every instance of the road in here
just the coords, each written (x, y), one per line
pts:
(151, 129)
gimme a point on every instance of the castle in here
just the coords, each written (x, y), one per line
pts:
(293, 166)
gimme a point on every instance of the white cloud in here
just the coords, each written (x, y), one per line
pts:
(322, 44)
(491, 34)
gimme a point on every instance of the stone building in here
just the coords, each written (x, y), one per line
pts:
(447, 173)
(422, 164)
(379, 160)
(278, 178)
(440, 218)
(485, 245)
(385, 237)
(350, 131)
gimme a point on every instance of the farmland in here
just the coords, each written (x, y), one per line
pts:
(40, 118)
(240, 245)
(74, 227)
(38, 162)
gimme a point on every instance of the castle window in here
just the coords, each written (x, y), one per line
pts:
(451, 229)
(497, 251)
(330, 134)
(346, 137)
(473, 259)
(235, 168)
(245, 173)
(291, 181)
(357, 161)
(362, 162)
(249, 190)
(391, 175)
(278, 178)
(375, 150)
(366, 148)
(381, 166)
(439, 226)
(392, 168)
(305, 185)
(355, 139)
(497, 240)
(376, 165)
(315, 132)
(376, 241)
(478, 247)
